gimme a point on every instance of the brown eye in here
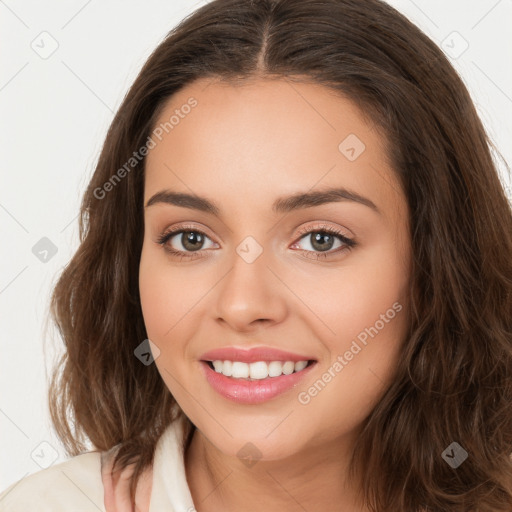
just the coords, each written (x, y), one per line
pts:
(192, 240)
(322, 239)
(183, 242)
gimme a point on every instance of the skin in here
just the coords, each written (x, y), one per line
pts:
(242, 147)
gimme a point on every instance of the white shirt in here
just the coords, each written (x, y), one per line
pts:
(76, 484)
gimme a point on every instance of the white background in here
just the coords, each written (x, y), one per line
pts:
(55, 113)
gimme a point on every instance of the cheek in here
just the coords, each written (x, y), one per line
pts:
(171, 300)
(354, 297)
(161, 293)
(159, 301)
(363, 320)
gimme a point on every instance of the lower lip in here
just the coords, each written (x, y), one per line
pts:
(252, 392)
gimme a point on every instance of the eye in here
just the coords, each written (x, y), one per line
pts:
(322, 238)
(191, 240)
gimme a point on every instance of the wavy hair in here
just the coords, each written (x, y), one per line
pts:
(454, 379)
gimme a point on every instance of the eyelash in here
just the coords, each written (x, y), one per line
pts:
(349, 243)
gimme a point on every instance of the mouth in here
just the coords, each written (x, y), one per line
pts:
(257, 382)
(258, 370)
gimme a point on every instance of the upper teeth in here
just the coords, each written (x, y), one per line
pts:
(257, 370)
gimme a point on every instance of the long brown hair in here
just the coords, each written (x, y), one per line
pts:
(454, 379)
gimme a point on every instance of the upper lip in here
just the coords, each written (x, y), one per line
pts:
(252, 355)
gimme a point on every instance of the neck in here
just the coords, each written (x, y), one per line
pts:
(316, 479)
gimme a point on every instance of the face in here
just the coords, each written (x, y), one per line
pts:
(324, 280)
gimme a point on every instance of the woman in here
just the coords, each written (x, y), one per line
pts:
(293, 285)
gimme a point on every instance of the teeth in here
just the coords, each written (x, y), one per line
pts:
(275, 368)
(227, 368)
(300, 365)
(258, 370)
(240, 370)
(288, 367)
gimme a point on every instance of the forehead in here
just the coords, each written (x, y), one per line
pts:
(248, 143)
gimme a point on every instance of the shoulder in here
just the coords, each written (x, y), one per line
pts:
(73, 485)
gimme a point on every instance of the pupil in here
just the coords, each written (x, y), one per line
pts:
(317, 239)
(191, 240)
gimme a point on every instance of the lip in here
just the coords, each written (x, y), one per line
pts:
(256, 391)
(253, 355)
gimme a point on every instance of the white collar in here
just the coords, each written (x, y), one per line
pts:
(170, 491)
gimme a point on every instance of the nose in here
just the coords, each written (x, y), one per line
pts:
(251, 295)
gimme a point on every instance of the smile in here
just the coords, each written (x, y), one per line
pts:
(257, 370)
(271, 379)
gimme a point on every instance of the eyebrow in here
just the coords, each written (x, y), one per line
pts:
(281, 205)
